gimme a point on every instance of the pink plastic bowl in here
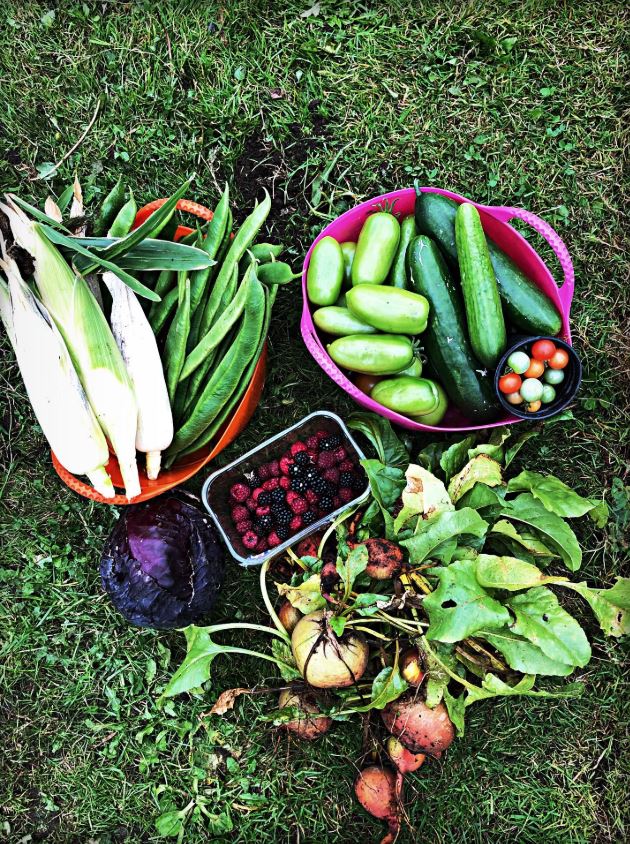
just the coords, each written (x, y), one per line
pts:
(495, 223)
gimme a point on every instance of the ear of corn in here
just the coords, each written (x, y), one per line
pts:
(55, 392)
(89, 340)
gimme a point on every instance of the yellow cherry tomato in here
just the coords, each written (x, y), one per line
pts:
(536, 369)
(533, 406)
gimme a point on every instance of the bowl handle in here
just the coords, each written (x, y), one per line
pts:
(554, 240)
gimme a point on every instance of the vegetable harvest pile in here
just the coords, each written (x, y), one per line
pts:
(445, 589)
(428, 289)
(128, 338)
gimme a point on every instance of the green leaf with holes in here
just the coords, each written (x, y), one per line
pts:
(610, 606)
(522, 655)
(555, 532)
(510, 573)
(441, 528)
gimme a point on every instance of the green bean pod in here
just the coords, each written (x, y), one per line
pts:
(175, 346)
(123, 221)
(161, 311)
(226, 375)
(261, 252)
(198, 313)
(110, 206)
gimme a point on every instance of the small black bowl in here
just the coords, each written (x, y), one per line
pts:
(565, 391)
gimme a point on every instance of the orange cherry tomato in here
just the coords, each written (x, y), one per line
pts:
(543, 349)
(514, 398)
(510, 383)
(559, 360)
(536, 369)
(366, 383)
(533, 406)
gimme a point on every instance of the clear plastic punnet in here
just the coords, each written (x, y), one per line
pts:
(216, 490)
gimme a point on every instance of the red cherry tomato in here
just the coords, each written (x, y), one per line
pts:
(510, 383)
(536, 369)
(559, 360)
(543, 349)
(366, 383)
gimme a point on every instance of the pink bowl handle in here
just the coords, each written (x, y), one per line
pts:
(554, 240)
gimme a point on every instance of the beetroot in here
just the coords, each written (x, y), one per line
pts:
(411, 667)
(325, 660)
(379, 791)
(404, 760)
(288, 615)
(385, 558)
(305, 726)
(420, 729)
(309, 546)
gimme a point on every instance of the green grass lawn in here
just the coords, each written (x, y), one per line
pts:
(506, 102)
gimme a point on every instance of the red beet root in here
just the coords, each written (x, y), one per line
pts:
(403, 759)
(306, 726)
(288, 615)
(420, 729)
(379, 791)
(309, 546)
(385, 558)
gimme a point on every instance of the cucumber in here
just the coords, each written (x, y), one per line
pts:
(486, 326)
(445, 340)
(526, 306)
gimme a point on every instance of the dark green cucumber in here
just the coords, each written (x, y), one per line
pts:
(486, 326)
(526, 306)
(445, 339)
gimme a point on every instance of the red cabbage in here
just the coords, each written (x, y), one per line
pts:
(162, 565)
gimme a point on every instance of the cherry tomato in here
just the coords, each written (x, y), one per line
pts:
(560, 359)
(514, 398)
(366, 383)
(548, 394)
(510, 383)
(531, 389)
(536, 369)
(554, 376)
(533, 406)
(518, 362)
(543, 349)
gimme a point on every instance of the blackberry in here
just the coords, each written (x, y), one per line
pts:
(299, 484)
(264, 523)
(295, 470)
(309, 517)
(319, 485)
(358, 481)
(253, 478)
(346, 479)
(277, 496)
(326, 502)
(283, 517)
(330, 443)
(302, 459)
(283, 532)
(264, 498)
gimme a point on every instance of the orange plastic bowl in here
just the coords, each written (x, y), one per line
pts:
(188, 466)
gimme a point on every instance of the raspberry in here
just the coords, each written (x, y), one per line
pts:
(340, 454)
(326, 460)
(296, 523)
(346, 494)
(243, 526)
(332, 475)
(298, 505)
(284, 482)
(257, 492)
(262, 546)
(312, 443)
(308, 518)
(251, 503)
(337, 502)
(320, 435)
(263, 511)
(274, 469)
(346, 466)
(291, 496)
(297, 447)
(250, 540)
(240, 492)
(273, 539)
(263, 472)
(239, 513)
(270, 484)
(284, 464)
(311, 496)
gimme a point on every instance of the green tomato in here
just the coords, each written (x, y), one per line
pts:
(435, 416)
(389, 308)
(554, 376)
(518, 362)
(380, 354)
(548, 394)
(376, 249)
(414, 369)
(325, 272)
(407, 395)
(340, 322)
(348, 249)
(531, 389)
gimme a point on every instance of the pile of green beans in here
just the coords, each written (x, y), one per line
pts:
(211, 324)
